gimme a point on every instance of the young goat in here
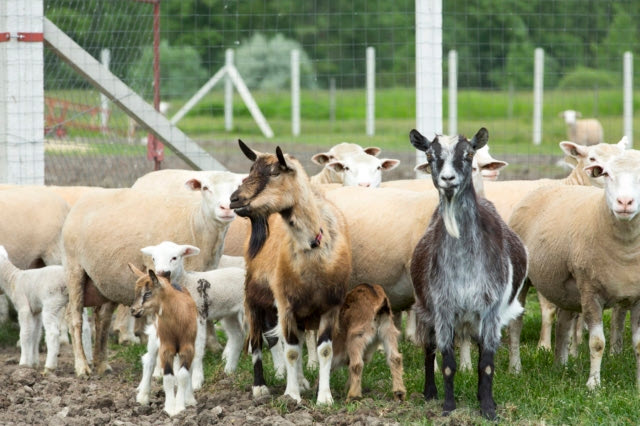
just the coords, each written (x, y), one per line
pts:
(40, 297)
(301, 258)
(467, 269)
(175, 323)
(366, 321)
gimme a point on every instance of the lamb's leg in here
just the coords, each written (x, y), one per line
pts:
(548, 312)
(197, 372)
(618, 316)
(635, 337)
(86, 335)
(212, 338)
(564, 326)
(75, 284)
(312, 349)
(148, 364)
(325, 354)
(35, 340)
(388, 333)
(410, 328)
(102, 318)
(27, 334)
(53, 316)
(465, 354)
(235, 339)
(485, 383)
(592, 311)
(4, 308)
(576, 335)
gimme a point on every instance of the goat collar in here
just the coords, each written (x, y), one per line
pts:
(315, 243)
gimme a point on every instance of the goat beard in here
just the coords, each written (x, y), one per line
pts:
(449, 218)
(259, 234)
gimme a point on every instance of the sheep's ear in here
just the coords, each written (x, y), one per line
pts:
(418, 141)
(389, 163)
(321, 158)
(336, 166)
(624, 143)
(595, 170)
(372, 150)
(194, 184)
(573, 149)
(137, 272)
(423, 168)
(282, 163)
(480, 139)
(494, 165)
(147, 250)
(251, 155)
(188, 250)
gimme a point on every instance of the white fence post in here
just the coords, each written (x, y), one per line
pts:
(228, 93)
(628, 96)
(371, 90)
(105, 112)
(538, 85)
(22, 93)
(428, 70)
(295, 92)
(453, 92)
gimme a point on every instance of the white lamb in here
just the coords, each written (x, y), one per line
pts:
(40, 297)
(219, 295)
(587, 131)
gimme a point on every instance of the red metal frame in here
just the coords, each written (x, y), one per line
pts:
(155, 148)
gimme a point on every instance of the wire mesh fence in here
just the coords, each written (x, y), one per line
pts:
(90, 141)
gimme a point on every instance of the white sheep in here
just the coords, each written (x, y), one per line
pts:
(105, 230)
(219, 295)
(587, 131)
(40, 298)
(568, 231)
(337, 153)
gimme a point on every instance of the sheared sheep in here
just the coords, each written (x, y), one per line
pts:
(337, 153)
(587, 131)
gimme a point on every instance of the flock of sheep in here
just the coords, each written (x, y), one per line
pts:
(308, 261)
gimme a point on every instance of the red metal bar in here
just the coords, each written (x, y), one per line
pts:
(155, 148)
(5, 37)
(30, 37)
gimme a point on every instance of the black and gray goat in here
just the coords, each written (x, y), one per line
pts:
(467, 269)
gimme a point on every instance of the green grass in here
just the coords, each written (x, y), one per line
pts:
(543, 393)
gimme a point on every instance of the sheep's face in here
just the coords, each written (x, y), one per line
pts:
(362, 169)
(147, 300)
(585, 156)
(270, 186)
(216, 191)
(450, 159)
(168, 257)
(622, 183)
(487, 166)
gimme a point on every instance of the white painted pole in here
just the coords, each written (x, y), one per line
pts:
(199, 95)
(21, 94)
(371, 90)
(295, 92)
(428, 70)
(453, 92)
(105, 112)
(249, 101)
(228, 94)
(538, 82)
(628, 96)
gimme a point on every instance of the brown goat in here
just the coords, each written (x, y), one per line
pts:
(176, 325)
(366, 321)
(300, 257)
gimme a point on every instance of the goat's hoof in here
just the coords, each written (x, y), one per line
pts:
(48, 371)
(325, 398)
(448, 408)
(83, 371)
(351, 398)
(104, 368)
(259, 391)
(399, 395)
(190, 402)
(172, 411)
(312, 365)
(196, 381)
(304, 384)
(489, 413)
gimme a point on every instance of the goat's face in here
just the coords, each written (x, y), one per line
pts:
(622, 183)
(146, 300)
(270, 186)
(450, 159)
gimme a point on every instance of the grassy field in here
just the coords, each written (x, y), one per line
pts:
(542, 394)
(507, 116)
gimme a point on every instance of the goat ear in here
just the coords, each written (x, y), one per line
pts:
(480, 139)
(281, 160)
(188, 250)
(154, 279)
(251, 155)
(138, 273)
(372, 150)
(418, 141)
(321, 159)
(423, 168)
(573, 149)
(389, 163)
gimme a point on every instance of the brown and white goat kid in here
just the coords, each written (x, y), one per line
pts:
(176, 327)
(366, 321)
(300, 257)
(466, 270)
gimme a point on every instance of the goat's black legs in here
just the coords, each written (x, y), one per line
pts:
(448, 371)
(430, 390)
(485, 383)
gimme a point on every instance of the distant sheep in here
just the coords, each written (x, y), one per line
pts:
(587, 131)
